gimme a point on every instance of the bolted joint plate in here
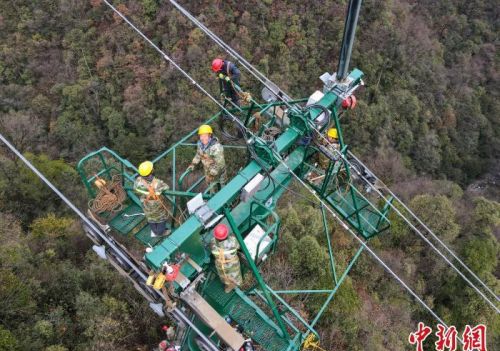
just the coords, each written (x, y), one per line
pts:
(344, 88)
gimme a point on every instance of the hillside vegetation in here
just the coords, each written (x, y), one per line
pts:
(74, 77)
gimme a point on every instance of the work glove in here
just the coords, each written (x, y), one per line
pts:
(190, 168)
(221, 76)
(247, 97)
(208, 178)
(227, 79)
(213, 171)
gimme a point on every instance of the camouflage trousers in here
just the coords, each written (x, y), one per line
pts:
(215, 182)
(228, 269)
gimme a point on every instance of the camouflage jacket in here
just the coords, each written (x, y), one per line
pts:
(151, 198)
(322, 160)
(212, 158)
(227, 261)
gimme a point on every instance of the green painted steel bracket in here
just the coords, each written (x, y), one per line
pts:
(182, 193)
(192, 227)
(99, 153)
(256, 274)
(330, 250)
(186, 238)
(337, 286)
(356, 75)
(177, 241)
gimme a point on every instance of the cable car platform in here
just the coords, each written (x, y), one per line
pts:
(353, 207)
(244, 312)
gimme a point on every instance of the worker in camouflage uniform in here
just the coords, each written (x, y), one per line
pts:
(150, 190)
(225, 247)
(332, 146)
(211, 154)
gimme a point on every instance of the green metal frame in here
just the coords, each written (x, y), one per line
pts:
(309, 326)
(100, 154)
(256, 272)
(191, 237)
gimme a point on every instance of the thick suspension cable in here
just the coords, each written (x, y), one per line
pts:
(413, 227)
(418, 232)
(280, 159)
(176, 311)
(171, 61)
(264, 80)
(283, 96)
(366, 247)
(62, 196)
(427, 228)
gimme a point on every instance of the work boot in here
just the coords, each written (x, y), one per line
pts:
(166, 232)
(228, 288)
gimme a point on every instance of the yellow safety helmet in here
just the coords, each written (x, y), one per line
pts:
(146, 168)
(332, 133)
(205, 129)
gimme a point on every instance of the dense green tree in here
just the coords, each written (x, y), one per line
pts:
(26, 196)
(481, 247)
(13, 249)
(16, 299)
(309, 259)
(7, 341)
(74, 78)
(438, 214)
(112, 327)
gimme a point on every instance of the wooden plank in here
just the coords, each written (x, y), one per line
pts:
(212, 319)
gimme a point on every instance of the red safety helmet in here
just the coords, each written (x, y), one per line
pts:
(172, 273)
(163, 345)
(221, 232)
(217, 64)
(349, 102)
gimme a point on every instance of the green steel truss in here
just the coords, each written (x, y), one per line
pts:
(260, 310)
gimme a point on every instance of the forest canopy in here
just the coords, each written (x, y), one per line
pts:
(74, 77)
